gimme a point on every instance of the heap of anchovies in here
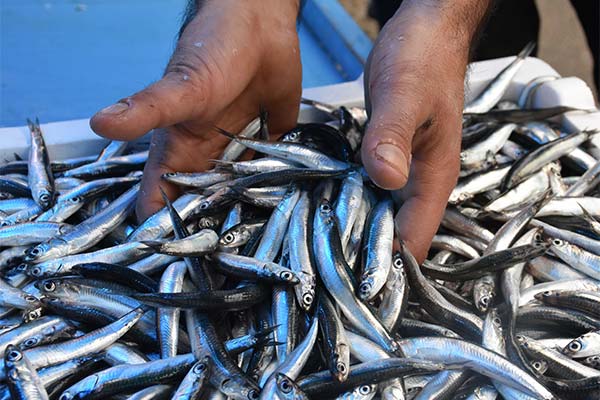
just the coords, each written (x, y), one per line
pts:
(279, 278)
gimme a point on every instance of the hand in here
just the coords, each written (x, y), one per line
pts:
(414, 88)
(232, 58)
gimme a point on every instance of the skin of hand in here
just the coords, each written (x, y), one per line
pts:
(414, 86)
(235, 57)
(232, 58)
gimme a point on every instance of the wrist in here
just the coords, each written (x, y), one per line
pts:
(455, 22)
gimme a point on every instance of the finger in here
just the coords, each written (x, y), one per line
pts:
(200, 80)
(170, 151)
(397, 111)
(432, 177)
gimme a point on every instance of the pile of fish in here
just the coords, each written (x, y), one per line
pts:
(279, 277)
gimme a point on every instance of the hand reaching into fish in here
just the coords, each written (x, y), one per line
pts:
(414, 85)
(234, 58)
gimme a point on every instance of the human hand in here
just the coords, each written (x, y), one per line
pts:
(232, 59)
(414, 84)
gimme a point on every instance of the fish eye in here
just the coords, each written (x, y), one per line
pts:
(45, 198)
(228, 238)
(36, 271)
(325, 207)
(286, 275)
(307, 299)
(341, 367)
(364, 390)
(557, 242)
(14, 355)
(398, 262)
(75, 199)
(31, 299)
(537, 365)
(35, 251)
(285, 386)
(546, 293)
(169, 174)
(496, 321)
(49, 286)
(204, 205)
(485, 300)
(574, 346)
(30, 342)
(253, 394)
(199, 367)
(364, 288)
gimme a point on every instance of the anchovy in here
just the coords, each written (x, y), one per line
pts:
(40, 178)
(23, 380)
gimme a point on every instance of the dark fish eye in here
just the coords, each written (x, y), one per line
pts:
(199, 367)
(307, 298)
(228, 238)
(49, 286)
(30, 342)
(575, 346)
(30, 299)
(364, 389)
(398, 262)
(341, 367)
(14, 355)
(253, 394)
(285, 386)
(36, 271)
(557, 242)
(285, 275)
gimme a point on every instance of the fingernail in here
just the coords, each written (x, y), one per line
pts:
(393, 156)
(115, 109)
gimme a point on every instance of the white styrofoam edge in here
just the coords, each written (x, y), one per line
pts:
(74, 138)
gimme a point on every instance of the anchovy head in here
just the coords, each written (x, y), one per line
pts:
(45, 199)
(308, 296)
(539, 366)
(239, 388)
(592, 361)
(289, 276)
(12, 355)
(341, 359)
(365, 288)
(37, 252)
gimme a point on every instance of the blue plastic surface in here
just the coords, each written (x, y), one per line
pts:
(64, 59)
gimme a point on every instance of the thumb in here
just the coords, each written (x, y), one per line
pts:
(171, 100)
(387, 145)
(194, 87)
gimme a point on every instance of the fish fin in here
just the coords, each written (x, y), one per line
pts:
(527, 50)
(266, 331)
(222, 164)
(153, 245)
(263, 132)
(226, 133)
